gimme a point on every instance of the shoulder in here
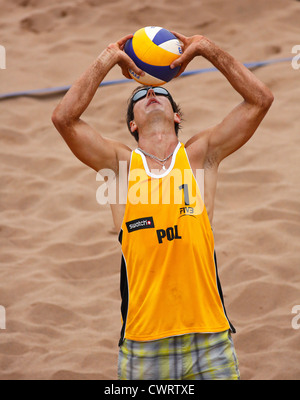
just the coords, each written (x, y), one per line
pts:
(198, 149)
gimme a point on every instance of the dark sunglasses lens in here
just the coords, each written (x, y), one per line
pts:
(139, 95)
(159, 91)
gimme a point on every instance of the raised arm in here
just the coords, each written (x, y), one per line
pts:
(88, 145)
(240, 124)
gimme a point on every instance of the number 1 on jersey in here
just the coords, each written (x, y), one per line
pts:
(185, 188)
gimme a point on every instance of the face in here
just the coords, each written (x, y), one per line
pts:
(148, 102)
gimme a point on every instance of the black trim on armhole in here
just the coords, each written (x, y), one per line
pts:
(124, 293)
(232, 328)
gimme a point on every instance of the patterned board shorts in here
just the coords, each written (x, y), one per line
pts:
(197, 356)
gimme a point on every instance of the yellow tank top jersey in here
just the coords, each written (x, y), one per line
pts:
(169, 281)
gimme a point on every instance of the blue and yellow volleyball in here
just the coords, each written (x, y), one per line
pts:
(153, 49)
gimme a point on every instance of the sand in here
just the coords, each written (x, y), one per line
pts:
(60, 259)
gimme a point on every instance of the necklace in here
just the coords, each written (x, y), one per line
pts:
(158, 160)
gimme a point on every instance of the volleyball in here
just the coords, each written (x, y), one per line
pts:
(153, 49)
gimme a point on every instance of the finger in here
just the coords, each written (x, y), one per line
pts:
(124, 39)
(131, 65)
(182, 69)
(137, 71)
(122, 46)
(179, 36)
(179, 61)
(126, 73)
(127, 63)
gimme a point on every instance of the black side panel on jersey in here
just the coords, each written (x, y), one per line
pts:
(232, 328)
(124, 293)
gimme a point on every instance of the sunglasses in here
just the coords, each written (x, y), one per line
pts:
(159, 91)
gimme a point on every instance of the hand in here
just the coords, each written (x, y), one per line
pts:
(191, 49)
(122, 59)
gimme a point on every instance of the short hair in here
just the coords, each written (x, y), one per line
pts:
(130, 114)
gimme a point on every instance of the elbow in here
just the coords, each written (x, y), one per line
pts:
(270, 99)
(266, 99)
(262, 99)
(58, 119)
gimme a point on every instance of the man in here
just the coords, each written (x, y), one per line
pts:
(174, 321)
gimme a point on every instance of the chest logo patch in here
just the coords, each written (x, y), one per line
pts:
(140, 223)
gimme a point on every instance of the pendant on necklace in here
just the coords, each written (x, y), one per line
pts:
(164, 168)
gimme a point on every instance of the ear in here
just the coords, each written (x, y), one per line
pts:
(177, 118)
(133, 126)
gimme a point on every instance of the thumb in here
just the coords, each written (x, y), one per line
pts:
(132, 66)
(176, 63)
(182, 61)
(126, 63)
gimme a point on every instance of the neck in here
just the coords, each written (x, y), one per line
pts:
(159, 145)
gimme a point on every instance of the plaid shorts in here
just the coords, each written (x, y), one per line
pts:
(197, 356)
